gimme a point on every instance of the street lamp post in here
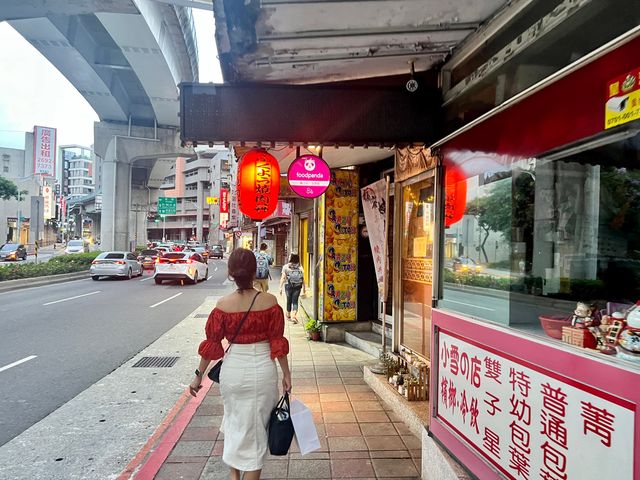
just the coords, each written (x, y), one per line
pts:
(18, 226)
(164, 223)
(37, 220)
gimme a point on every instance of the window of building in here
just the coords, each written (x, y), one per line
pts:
(552, 243)
(5, 168)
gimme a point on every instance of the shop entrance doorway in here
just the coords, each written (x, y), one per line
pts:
(416, 219)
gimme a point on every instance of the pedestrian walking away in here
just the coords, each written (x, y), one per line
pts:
(263, 262)
(293, 281)
(254, 323)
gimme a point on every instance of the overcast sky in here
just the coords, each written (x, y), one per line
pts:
(33, 92)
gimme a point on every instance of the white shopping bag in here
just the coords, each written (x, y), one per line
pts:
(304, 428)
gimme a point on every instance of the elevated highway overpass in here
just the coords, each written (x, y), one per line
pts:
(126, 58)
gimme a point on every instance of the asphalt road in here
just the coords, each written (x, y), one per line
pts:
(57, 340)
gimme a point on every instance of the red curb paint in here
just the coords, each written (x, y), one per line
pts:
(156, 458)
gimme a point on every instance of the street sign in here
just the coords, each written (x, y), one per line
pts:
(238, 233)
(167, 206)
(209, 200)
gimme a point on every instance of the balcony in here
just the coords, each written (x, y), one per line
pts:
(168, 184)
(196, 164)
(196, 176)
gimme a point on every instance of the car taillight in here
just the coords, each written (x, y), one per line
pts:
(95, 262)
(120, 262)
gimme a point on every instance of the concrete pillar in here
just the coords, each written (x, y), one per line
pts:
(119, 151)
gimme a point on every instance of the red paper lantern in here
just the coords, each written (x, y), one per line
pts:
(455, 191)
(258, 184)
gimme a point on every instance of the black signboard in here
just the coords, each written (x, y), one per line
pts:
(314, 114)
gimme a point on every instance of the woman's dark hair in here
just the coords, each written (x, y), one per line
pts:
(242, 267)
(294, 258)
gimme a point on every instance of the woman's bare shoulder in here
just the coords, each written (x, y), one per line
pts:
(227, 302)
(266, 300)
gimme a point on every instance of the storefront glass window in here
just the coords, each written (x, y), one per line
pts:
(417, 266)
(552, 247)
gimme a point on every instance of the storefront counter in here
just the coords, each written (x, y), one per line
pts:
(507, 405)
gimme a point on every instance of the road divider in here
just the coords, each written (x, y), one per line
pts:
(71, 298)
(165, 300)
(14, 364)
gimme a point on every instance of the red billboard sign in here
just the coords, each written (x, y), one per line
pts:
(224, 200)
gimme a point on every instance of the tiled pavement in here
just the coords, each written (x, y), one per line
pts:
(360, 437)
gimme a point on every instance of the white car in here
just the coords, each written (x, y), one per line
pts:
(76, 246)
(189, 266)
(115, 264)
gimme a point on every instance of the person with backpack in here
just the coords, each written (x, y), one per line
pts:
(263, 261)
(293, 281)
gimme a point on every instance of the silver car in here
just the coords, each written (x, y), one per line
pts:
(76, 246)
(115, 264)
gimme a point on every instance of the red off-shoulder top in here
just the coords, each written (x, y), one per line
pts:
(260, 325)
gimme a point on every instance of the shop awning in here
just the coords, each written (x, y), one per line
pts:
(307, 41)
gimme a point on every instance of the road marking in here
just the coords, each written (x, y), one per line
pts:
(11, 365)
(71, 298)
(28, 289)
(145, 279)
(471, 305)
(215, 269)
(209, 277)
(165, 300)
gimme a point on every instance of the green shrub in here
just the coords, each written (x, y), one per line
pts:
(477, 280)
(75, 258)
(55, 266)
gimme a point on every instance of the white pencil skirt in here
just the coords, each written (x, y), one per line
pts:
(249, 388)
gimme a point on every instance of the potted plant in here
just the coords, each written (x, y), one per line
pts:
(313, 328)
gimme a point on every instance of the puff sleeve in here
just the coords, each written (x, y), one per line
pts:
(211, 348)
(279, 344)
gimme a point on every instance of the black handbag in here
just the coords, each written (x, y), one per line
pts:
(280, 427)
(214, 373)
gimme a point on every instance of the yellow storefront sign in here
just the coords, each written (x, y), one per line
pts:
(340, 247)
(623, 100)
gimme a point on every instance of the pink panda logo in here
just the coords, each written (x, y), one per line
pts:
(309, 164)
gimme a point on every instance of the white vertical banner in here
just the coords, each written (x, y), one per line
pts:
(374, 206)
(44, 151)
(47, 194)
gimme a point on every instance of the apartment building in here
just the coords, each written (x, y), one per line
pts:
(196, 184)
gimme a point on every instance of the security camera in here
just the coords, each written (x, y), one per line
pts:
(412, 85)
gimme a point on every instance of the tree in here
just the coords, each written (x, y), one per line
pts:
(509, 205)
(9, 190)
(493, 212)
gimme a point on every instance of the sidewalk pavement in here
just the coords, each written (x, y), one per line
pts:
(361, 437)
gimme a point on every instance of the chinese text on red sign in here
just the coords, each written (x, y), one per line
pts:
(530, 423)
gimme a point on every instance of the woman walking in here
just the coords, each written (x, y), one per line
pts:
(293, 280)
(248, 378)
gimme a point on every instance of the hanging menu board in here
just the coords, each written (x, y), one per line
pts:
(340, 242)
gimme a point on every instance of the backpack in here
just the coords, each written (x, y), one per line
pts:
(294, 276)
(262, 264)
